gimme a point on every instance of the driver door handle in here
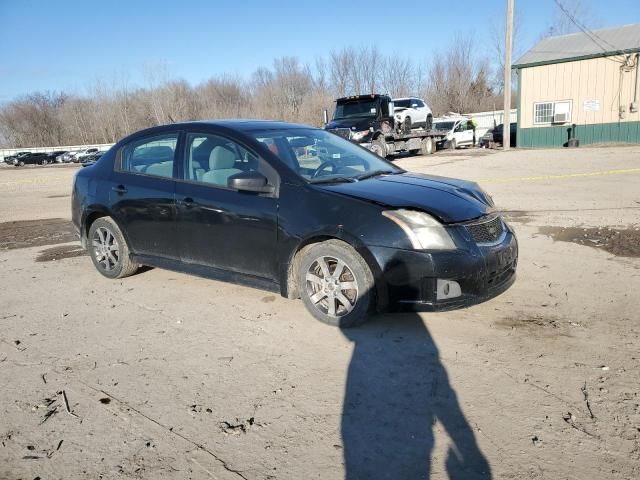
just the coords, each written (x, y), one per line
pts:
(120, 189)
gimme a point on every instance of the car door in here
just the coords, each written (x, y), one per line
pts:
(142, 194)
(462, 135)
(421, 111)
(218, 226)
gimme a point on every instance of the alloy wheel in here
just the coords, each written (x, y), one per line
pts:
(331, 286)
(106, 249)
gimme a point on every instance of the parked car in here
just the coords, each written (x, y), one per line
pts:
(77, 158)
(460, 132)
(495, 135)
(412, 113)
(12, 158)
(93, 157)
(32, 158)
(57, 155)
(68, 157)
(348, 232)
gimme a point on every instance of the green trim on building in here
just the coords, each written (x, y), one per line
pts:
(575, 59)
(518, 96)
(544, 137)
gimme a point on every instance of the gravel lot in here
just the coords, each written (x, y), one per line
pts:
(163, 375)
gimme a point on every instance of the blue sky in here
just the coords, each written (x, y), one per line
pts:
(65, 45)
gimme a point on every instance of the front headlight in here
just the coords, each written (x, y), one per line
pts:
(359, 135)
(424, 231)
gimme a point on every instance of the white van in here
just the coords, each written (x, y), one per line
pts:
(460, 131)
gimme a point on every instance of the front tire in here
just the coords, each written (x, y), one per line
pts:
(379, 147)
(406, 125)
(336, 284)
(453, 144)
(108, 249)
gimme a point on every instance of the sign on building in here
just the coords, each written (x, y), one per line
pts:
(591, 105)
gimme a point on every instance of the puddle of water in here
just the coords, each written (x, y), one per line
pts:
(60, 253)
(517, 216)
(622, 243)
(36, 233)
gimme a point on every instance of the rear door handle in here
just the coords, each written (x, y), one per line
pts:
(120, 189)
(187, 202)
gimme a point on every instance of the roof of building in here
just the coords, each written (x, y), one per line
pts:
(599, 43)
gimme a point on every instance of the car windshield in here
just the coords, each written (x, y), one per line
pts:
(356, 108)
(406, 103)
(443, 125)
(319, 156)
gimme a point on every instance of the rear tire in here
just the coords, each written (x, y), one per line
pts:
(336, 284)
(108, 249)
(427, 147)
(429, 122)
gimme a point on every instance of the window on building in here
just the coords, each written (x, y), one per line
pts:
(548, 112)
(543, 112)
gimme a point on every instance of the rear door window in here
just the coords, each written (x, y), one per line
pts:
(150, 156)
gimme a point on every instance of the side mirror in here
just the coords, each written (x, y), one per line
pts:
(414, 105)
(250, 182)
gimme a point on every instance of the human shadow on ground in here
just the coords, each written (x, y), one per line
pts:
(396, 390)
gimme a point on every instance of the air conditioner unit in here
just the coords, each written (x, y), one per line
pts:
(560, 118)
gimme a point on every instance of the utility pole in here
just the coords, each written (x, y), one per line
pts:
(506, 131)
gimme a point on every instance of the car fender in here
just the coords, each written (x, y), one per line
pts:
(102, 211)
(287, 273)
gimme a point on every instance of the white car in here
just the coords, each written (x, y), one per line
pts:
(412, 113)
(82, 154)
(460, 131)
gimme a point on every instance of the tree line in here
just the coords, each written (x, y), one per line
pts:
(287, 90)
(455, 80)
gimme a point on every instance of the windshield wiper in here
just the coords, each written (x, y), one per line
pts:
(376, 173)
(333, 180)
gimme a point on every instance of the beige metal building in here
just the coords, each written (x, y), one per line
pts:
(590, 80)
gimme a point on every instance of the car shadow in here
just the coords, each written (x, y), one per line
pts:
(397, 389)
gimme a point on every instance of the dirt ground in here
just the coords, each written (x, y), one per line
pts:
(167, 376)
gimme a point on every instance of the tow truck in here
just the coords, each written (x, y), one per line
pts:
(368, 120)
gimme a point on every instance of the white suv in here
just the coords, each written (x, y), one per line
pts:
(460, 131)
(412, 113)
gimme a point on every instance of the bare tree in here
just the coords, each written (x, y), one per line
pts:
(565, 16)
(457, 82)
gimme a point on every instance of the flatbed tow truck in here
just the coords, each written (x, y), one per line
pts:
(368, 120)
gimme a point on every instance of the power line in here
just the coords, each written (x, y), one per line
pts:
(590, 35)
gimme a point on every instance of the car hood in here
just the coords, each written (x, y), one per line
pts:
(354, 123)
(448, 199)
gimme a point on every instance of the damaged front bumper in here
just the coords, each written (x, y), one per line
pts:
(436, 281)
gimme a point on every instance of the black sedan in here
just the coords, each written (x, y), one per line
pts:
(296, 210)
(495, 135)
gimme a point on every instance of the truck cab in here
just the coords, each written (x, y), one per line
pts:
(363, 118)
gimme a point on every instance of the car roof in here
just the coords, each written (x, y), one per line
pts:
(249, 124)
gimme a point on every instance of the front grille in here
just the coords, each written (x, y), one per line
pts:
(343, 132)
(487, 231)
